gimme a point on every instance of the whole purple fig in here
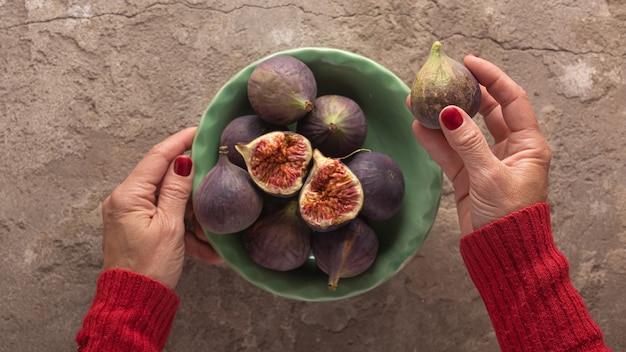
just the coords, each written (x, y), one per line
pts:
(280, 240)
(226, 200)
(244, 129)
(440, 82)
(382, 181)
(345, 252)
(336, 125)
(281, 89)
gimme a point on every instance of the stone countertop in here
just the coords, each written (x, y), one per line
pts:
(87, 87)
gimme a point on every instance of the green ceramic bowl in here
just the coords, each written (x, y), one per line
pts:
(381, 95)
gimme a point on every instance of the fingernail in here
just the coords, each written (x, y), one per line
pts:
(182, 165)
(451, 118)
(474, 55)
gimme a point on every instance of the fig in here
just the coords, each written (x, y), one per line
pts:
(281, 89)
(345, 252)
(244, 129)
(440, 82)
(280, 240)
(382, 181)
(277, 161)
(226, 200)
(331, 196)
(336, 125)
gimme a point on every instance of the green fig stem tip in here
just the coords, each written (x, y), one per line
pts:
(436, 49)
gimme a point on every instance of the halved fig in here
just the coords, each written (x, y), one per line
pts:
(331, 196)
(244, 129)
(277, 161)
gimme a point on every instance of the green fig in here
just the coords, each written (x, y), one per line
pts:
(440, 82)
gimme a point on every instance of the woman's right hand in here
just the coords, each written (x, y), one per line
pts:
(490, 182)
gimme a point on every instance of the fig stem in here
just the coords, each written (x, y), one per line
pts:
(332, 284)
(354, 152)
(436, 49)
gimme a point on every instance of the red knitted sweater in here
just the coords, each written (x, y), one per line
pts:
(520, 274)
(130, 312)
(524, 281)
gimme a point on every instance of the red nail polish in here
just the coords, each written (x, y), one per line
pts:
(182, 165)
(451, 118)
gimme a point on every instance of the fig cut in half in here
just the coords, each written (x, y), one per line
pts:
(244, 129)
(332, 195)
(277, 161)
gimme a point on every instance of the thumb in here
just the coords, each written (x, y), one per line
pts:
(467, 140)
(176, 188)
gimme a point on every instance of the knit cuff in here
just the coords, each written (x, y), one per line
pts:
(524, 282)
(130, 311)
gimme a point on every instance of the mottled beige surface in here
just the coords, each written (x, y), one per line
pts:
(86, 87)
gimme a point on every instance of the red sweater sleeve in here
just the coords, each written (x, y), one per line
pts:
(130, 312)
(524, 282)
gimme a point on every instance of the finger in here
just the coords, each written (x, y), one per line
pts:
(467, 140)
(492, 115)
(154, 165)
(197, 230)
(436, 145)
(516, 108)
(201, 250)
(175, 189)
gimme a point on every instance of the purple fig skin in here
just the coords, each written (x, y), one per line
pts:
(227, 201)
(440, 82)
(336, 125)
(280, 240)
(383, 184)
(345, 252)
(282, 89)
(244, 129)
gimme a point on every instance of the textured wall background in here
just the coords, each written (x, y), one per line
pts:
(87, 87)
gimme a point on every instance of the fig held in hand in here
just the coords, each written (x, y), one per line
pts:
(281, 89)
(226, 200)
(440, 82)
(345, 252)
